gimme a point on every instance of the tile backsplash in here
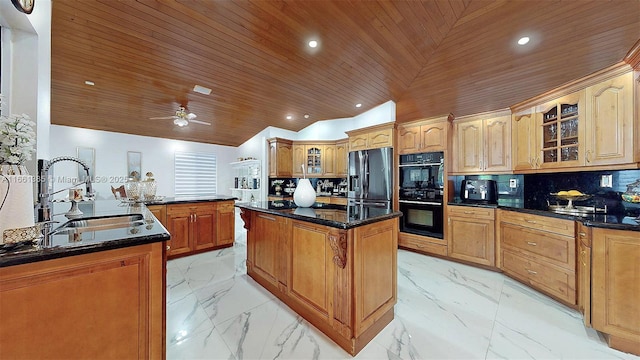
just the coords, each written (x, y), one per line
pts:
(538, 189)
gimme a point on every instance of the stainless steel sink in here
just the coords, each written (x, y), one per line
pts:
(100, 223)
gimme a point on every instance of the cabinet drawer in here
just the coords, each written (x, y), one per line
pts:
(472, 211)
(414, 242)
(544, 223)
(226, 207)
(548, 246)
(555, 281)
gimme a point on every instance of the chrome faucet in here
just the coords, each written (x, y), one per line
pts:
(44, 197)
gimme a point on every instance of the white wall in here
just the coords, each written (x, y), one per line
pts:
(336, 129)
(111, 158)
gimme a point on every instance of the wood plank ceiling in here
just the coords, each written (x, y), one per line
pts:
(431, 57)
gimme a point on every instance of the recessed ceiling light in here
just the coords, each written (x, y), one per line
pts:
(523, 40)
(289, 117)
(306, 116)
(358, 105)
(90, 83)
(313, 43)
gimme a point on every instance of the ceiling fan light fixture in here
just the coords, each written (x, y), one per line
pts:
(181, 122)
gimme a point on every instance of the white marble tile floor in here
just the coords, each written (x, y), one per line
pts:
(445, 310)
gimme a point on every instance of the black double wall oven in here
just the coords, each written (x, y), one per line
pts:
(421, 194)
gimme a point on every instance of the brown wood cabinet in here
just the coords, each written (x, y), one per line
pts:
(423, 244)
(615, 287)
(372, 137)
(320, 159)
(197, 227)
(583, 235)
(342, 158)
(341, 281)
(595, 126)
(280, 157)
(482, 143)
(107, 304)
(539, 251)
(471, 235)
(609, 138)
(423, 136)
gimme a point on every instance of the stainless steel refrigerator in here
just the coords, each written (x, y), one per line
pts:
(371, 177)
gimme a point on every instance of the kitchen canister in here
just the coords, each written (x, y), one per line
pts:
(304, 195)
(16, 201)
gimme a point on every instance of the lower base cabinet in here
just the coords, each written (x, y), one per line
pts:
(471, 233)
(539, 251)
(197, 227)
(107, 304)
(423, 244)
(615, 287)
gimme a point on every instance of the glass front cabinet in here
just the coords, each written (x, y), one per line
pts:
(561, 130)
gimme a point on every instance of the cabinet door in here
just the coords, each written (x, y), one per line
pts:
(472, 238)
(609, 120)
(433, 137)
(523, 139)
(284, 160)
(204, 227)
(160, 212)
(299, 160)
(380, 138)
(469, 146)
(314, 161)
(584, 273)
(178, 224)
(341, 158)
(497, 141)
(562, 132)
(329, 159)
(409, 139)
(358, 142)
(615, 283)
(264, 252)
(225, 224)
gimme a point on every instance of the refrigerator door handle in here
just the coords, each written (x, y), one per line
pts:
(365, 181)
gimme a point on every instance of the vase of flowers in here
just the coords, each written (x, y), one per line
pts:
(17, 142)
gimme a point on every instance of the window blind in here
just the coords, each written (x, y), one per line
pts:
(195, 174)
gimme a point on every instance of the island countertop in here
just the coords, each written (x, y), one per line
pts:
(62, 245)
(332, 215)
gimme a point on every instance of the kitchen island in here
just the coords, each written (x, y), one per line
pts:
(334, 265)
(92, 292)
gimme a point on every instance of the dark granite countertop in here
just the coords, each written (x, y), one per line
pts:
(192, 199)
(337, 216)
(63, 245)
(599, 220)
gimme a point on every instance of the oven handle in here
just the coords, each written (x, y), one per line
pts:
(419, 202)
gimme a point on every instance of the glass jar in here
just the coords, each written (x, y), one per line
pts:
(133, 189)
(149, 187)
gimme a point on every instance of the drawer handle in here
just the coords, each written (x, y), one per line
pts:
(532, 243)
(531, 221)
(531, 272)
(582, 234)
(468, 212)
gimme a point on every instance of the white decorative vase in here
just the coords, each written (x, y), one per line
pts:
(304, 195)
(16, 191)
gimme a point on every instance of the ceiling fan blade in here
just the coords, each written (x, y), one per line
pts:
(191, 116)
(162, 118)
(199, 122)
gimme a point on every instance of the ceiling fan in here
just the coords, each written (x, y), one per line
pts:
(182, 118)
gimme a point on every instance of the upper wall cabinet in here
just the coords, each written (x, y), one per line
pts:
(280, 157)
(373, 137)
(320, 159)
(609, 135)
(482, 144)
(423, 136)
(591, 127)
(560, 130)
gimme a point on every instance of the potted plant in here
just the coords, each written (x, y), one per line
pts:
(17, 142)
